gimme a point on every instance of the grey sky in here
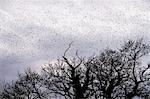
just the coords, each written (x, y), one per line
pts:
(34, 32)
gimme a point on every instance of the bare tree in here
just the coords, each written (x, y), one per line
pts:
(118, 73)
(109, 73)
(132, 52)
(26, 87)
(72, 79)
(113, 74)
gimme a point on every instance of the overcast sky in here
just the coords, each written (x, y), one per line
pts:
(34, 32)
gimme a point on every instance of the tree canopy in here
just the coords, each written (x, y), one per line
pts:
(112, 74)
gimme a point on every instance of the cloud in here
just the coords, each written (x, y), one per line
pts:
(35, 31)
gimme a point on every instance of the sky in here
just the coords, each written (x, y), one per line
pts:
(36, 32)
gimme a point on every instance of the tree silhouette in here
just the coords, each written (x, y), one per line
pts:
(26, 87)
(72, 79)
(109, 73)
(137, 76)
(113, 74)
